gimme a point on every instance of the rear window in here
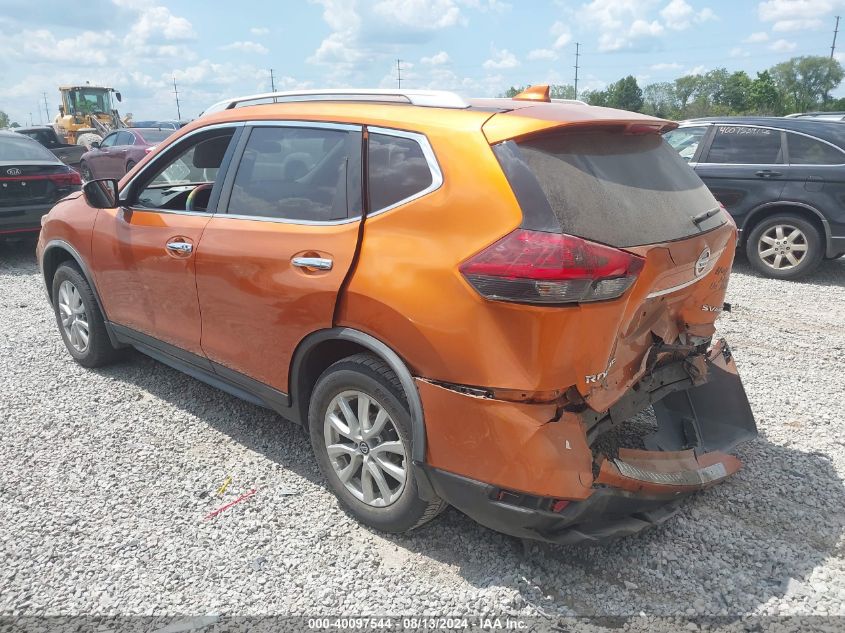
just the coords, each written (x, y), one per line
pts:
(155, 136)
(23, 148)
(617, 189)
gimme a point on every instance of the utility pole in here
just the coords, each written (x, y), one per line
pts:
(46, 108)
(399, 72)
(577, 55)
(176, 92)
(835, 31)
(30, 118)
(272, 82)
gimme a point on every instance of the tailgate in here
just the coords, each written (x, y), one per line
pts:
(612, 180)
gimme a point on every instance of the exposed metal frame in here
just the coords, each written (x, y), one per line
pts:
(426, 98)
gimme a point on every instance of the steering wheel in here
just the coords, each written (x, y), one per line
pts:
(189, 204)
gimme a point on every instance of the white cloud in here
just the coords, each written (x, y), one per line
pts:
(542, 53)
(501, 59)
(561, 33)
(738, 51)
(696, 70)
(620, 23)
(795, 15)
(86, 49)
(783, 46)
(246, 47)
(420, 14)
(437, 59)
(156, 23)
(486, 5)
(679, 15)
(665, 66)
(259, 30)
(756, 38)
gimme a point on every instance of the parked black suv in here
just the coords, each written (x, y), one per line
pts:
(783, 181)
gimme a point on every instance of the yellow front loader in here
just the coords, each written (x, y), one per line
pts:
(88, 113)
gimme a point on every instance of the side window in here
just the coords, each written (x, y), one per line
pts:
(685, 140)
(124, 138)
(298, 173)
(109, 140)
(804, 150)
(182, 181)
(737, 144)
(397, 170)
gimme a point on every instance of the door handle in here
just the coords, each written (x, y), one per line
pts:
(767, 173)
(180, 247)
(320, 263)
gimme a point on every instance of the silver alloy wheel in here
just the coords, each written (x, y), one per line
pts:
(782, 246)
(72, 314)
(365, 449)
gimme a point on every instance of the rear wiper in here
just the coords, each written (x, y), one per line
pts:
(698, 219)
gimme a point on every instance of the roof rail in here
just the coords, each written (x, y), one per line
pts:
(430, 98)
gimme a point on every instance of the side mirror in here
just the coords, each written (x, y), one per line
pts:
(101, 194)
(95, 144)
(119, 98)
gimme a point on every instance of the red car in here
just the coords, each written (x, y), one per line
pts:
(120, 151)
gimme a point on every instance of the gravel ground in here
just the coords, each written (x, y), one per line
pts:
(107, 475)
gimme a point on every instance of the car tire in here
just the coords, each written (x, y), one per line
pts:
(389, 503)
(784, 246)
(85, 172)
(79, 319)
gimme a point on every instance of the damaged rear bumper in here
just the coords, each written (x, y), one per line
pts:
(551, 483)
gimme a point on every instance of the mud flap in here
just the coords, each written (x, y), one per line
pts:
(713, 416)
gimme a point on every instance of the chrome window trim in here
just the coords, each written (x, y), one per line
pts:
(261, 218)
(430, 158)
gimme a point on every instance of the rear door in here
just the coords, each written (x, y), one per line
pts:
(816, 177)
(269, 269)
(743, 167)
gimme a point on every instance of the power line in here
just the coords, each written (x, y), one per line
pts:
(835, 31)
(577, 55)
(176, 92)
(399, 72)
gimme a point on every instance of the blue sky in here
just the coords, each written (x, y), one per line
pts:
(475, 47)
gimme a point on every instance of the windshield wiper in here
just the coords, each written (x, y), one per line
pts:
(704, 215)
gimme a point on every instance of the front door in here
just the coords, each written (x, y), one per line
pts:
(743, 167)
(270, 268)
(145, 251)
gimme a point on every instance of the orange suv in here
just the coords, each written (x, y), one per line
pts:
(464, 303)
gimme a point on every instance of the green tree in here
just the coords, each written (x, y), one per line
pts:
(804, 82)
(596, 97)
(625, 94)
(4, 119)
(736, 92)
(562, 91)
(659, 99)
(763, 95)
(511, 92)
(685, 88)
(15, 124)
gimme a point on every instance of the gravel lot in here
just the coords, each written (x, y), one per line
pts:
(107, 475)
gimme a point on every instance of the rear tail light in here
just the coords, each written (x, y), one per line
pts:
(550, 268)
(66, 179)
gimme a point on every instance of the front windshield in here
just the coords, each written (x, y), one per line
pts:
(89, 101)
